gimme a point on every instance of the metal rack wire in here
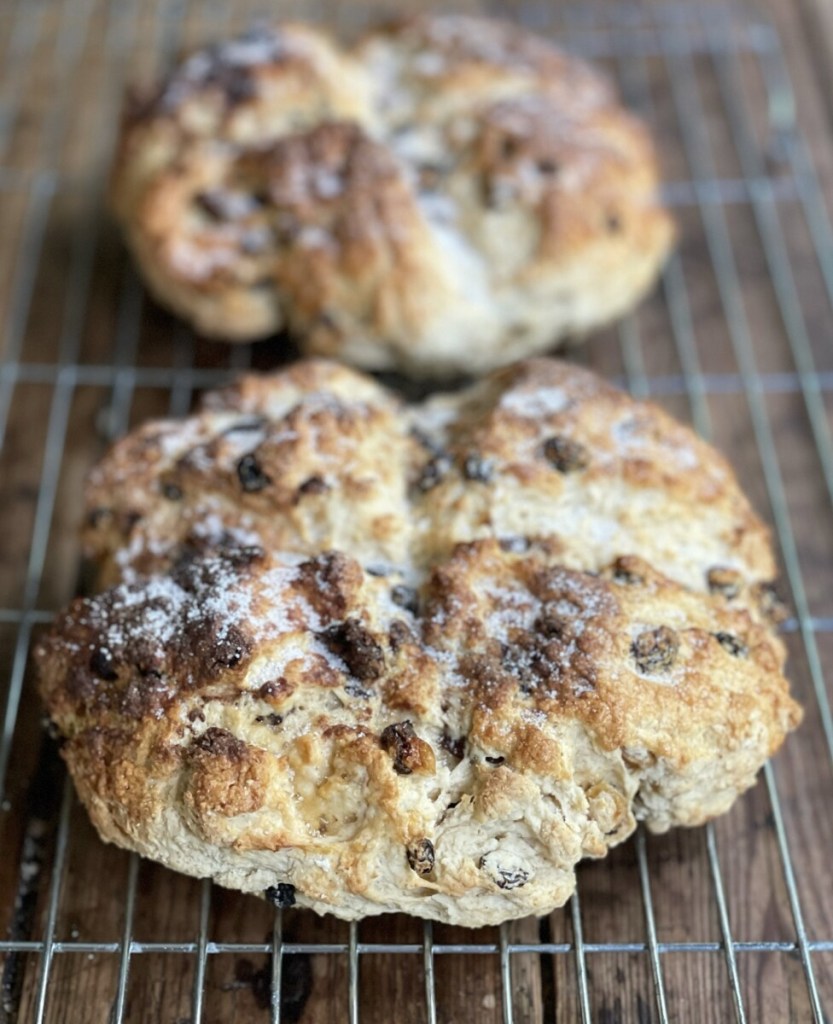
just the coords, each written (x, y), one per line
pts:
(713, 51)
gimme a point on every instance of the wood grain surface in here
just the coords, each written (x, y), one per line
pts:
(737, 339)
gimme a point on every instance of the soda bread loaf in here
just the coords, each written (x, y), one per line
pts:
(365, 656)
(449, 195)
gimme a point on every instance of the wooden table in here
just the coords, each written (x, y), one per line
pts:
(702, 925)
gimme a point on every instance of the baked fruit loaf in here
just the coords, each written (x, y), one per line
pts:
(450, 195)
(363, 656)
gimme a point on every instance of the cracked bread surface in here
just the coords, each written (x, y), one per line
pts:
(372, 656)
(445, 196)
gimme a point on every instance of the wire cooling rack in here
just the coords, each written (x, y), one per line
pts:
(730, 922)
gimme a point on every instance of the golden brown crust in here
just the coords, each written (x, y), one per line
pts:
(556, 633)
(444, 198)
